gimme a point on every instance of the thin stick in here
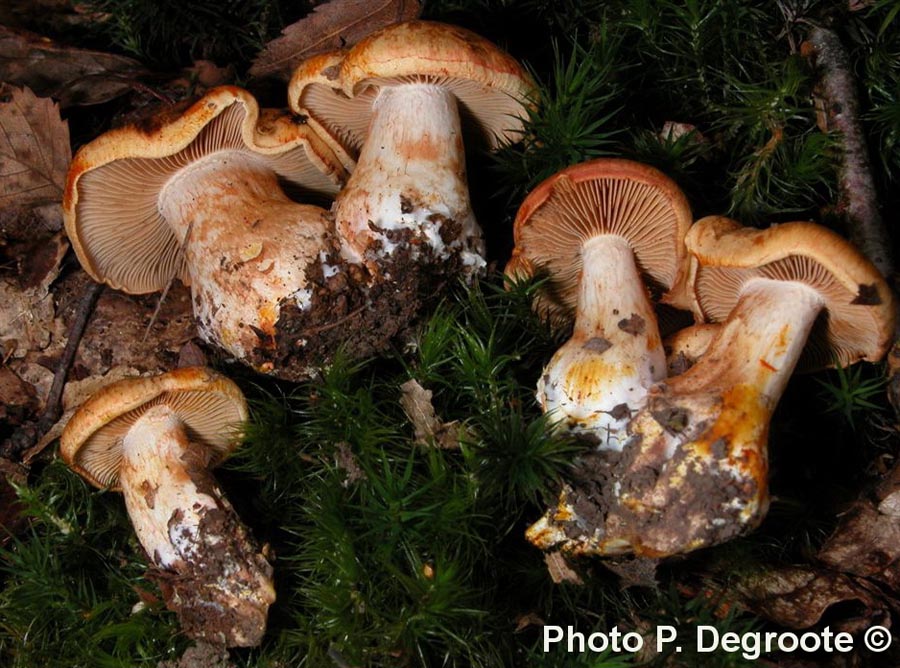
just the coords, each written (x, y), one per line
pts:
(178, 270)
(866, 227)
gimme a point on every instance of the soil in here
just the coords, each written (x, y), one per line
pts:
(658, 505)
(354, 311)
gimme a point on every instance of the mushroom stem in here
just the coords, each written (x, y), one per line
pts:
(694, 472)
(759, 344)
(222, 586)
(601, 375)
(410, 181)
(246, 246)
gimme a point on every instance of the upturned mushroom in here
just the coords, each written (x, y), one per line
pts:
(155, 439)
(602, 232)
(694, 471)
(395, 102)
(199, 197)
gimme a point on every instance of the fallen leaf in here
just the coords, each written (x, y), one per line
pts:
(330, 26)
(36, 375)
(866, 543)
(429, 430)
(54, 16)
(191, 355)
(673, 131)
(18, 400)
(798, 598)
(559, 569)
(28, 312)
(527, 620)
(347, 462)
(634, 571)
(71, 76)
(117, 333)
(34, 150)
(27, 223)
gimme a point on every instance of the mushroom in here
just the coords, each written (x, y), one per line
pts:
(199, 197)
(694, 472)
(155, 439)
(602, 231)
(394, 101)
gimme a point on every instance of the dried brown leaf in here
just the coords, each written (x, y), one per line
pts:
(865, 543)
(115, 334)
(71, 76)
(52, 16)
(18, 399)
(634, 571)
(528, 620)
(799, 597)
(429, 429)
(34, 150)
(559, 569)
(347, 462)
(331, 25)
(191, 355)
(26, 223)
(27, 316)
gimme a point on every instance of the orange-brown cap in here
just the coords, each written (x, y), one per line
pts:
(493, 90)
(599, 197)
(860, 308)
(110, 202)
(210, 406)
(340, 121)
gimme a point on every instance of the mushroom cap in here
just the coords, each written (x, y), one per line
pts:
(599, 197)
(210, 406)
(347, 122)
(858, 318)
(110, 204)
(492, 89)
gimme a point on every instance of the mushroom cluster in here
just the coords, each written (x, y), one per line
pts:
(217, 195)
(685, 466)
(156, 439)
(213, 196)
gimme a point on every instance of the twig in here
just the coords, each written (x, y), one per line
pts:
(29, 433)
(866, 227)
(178, 270)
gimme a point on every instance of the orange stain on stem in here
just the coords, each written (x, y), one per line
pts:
(581, 378)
